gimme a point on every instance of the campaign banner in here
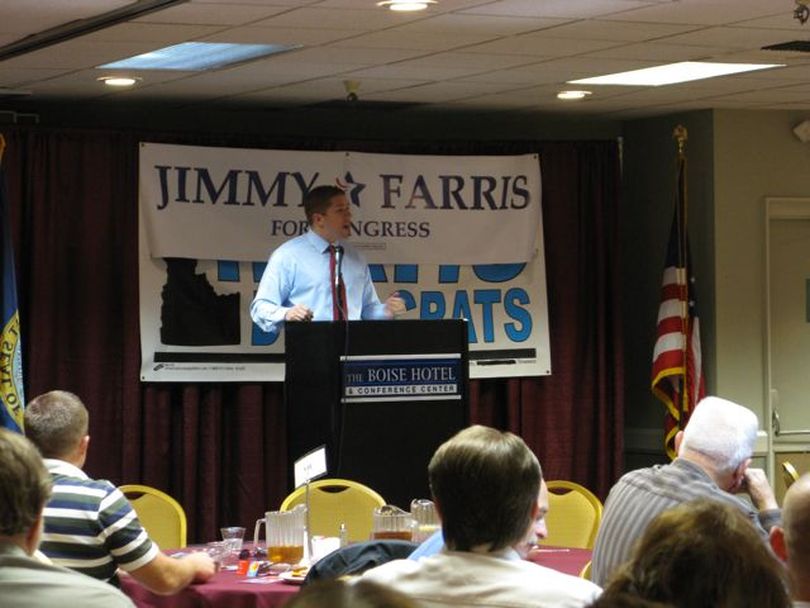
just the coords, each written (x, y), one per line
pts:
(195, 322)
(239, 204)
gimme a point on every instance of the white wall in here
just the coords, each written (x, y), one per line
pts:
(756, 156)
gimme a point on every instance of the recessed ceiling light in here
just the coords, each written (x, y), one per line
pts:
(684, 71)
(571, 95)
(406, 5)
(198, 56)
(119, 81)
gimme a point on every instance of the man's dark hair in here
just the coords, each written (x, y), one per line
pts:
(485, 483)
(318, 200)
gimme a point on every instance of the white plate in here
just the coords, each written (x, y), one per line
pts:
(292, 579)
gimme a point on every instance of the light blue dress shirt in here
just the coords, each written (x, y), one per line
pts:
(430, 546)
(298, 273)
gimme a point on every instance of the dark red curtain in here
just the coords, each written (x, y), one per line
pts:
(220, 448)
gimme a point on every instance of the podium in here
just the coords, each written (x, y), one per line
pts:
(381, 395)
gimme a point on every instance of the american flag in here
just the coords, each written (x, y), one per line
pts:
(677, 370)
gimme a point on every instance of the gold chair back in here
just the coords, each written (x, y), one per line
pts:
(586, 571)
(573, 516)
(337, 501)
(162, 516)
(789, 473)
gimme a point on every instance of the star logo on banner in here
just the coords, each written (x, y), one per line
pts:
(351, 187)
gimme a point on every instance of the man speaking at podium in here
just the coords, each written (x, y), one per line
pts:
(317, 275)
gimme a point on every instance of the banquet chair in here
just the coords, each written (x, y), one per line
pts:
(161, 516)
(586, 571)
(337, 501)
(573, 515)
(789, 473)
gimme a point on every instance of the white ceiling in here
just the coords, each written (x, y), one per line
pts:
(471, 54)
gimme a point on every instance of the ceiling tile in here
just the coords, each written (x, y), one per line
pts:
(212, 14)
(160, 33)
(30, 16)
(279, 35)
(554, 8)
(342, 19)
(395, 39)
(497, 54)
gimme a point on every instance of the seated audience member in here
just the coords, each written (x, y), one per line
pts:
(791, 541)
(341, 594)
(24, 580)
(435, 542)
(701, 554)
(90, 526)
(485, 484)
(714, 453)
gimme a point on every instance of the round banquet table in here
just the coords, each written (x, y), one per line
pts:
(225, 589)
(569, 561)
(229, 590)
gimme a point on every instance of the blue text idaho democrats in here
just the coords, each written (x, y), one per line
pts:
(478, 305)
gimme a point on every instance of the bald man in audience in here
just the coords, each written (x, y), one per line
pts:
(791, 540)
(714, 454)
(25, 486)
(487, 486)
(90, 526)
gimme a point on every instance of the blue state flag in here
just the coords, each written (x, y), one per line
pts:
(12, 399)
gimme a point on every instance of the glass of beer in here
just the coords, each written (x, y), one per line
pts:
(391, 522)
(284, 531)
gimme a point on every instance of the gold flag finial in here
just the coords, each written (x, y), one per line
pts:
(680, 135)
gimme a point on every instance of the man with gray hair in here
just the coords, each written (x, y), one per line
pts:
(489, 491)
(25, 581)
(90, 526)
(714, 454)
(791, 540)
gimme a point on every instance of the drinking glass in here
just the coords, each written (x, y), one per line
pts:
(233, 536)
(218, 550)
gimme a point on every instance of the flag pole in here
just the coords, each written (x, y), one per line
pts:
(2, 148)
(681, 136)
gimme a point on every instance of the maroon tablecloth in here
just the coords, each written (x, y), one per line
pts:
(570, 561)
(229, 590)
(225, 589)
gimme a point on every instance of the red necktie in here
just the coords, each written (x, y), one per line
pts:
(339, 294)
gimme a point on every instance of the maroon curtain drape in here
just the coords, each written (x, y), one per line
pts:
(219, 448)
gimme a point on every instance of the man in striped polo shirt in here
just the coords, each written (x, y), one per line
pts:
(90, 526)
(714, 453)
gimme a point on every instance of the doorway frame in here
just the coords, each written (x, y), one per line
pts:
(778, 208)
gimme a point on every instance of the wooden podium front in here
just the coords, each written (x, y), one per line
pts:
(381, 395)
